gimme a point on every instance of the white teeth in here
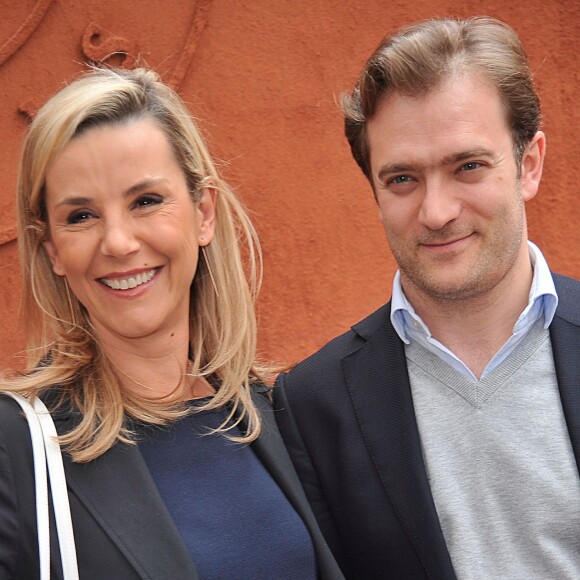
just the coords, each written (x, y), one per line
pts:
(131, 282)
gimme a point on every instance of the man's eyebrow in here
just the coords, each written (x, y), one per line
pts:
(397, 168)
(480, 152)
(469, 154)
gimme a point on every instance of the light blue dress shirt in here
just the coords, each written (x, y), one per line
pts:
(542, 302)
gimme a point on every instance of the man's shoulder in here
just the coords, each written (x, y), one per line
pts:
(568, 290)
(332, 353)
(566, 283)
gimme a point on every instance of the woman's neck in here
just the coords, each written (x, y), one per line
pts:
(154, 367)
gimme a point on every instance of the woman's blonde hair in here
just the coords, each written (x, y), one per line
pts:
(64, 351)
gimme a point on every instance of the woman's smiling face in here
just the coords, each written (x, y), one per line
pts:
(123, 229)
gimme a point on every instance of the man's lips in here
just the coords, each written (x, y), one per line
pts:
(447, 244)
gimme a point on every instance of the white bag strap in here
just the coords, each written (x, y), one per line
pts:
(39, 459)
(46, 451)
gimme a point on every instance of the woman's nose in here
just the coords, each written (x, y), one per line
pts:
(119, 240)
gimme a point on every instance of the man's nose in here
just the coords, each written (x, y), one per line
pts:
(440, 205)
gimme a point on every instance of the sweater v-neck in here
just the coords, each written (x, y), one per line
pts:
(478, 392)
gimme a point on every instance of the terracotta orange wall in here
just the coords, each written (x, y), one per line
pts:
(263, 77)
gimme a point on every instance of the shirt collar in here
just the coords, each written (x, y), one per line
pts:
(542, 287)
(542, 299)
(402, 313)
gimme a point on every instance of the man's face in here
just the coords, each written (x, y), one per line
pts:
(450, 195)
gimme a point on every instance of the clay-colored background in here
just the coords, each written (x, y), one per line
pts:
(262, 76)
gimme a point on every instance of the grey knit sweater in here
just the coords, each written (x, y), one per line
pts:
(500, 464)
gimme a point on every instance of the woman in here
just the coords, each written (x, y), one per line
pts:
(142, 339)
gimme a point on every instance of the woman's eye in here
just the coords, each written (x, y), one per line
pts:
(148, 200)
(79, 216)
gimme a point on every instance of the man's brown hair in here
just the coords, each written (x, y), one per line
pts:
(417, 58)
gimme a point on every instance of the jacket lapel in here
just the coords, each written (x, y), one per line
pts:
(377, 380)
(565, 337)
(119, 492)
(270, 450)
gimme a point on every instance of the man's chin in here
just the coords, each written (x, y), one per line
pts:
(449, 288)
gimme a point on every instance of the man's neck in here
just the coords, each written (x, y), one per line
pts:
(474, 329)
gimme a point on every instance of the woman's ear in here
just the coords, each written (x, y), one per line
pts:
(532, 166)
(53, 257)
(206, 206)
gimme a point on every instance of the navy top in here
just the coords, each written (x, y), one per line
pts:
(233, 517)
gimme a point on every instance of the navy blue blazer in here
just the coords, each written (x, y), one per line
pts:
(347, 418)
(123, 530)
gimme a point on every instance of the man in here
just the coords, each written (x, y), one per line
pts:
(440, 437)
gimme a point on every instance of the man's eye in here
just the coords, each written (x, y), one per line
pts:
(79, 216)
(148, 200)
(470, 166)
(401, 179)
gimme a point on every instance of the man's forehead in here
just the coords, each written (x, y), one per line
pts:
(460, 115)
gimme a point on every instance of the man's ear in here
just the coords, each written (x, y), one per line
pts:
(206, 207)
(532, 166)
(53, 257)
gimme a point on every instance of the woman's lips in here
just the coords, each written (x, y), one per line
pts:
(128, 282)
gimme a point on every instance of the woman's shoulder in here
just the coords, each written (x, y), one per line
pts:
(13, 422)
(14, 431)
(9, 408)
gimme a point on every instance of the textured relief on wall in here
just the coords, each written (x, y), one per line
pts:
(98, 47)
(102, 47)
(58, 38)
(198, 24)
(24, 31)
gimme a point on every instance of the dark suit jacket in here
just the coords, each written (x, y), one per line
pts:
(123, 530)
(347, 418)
